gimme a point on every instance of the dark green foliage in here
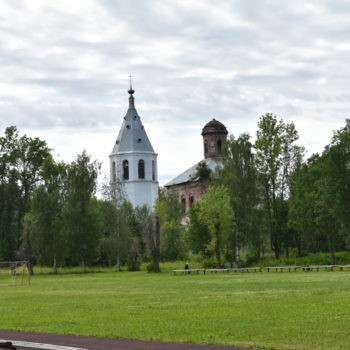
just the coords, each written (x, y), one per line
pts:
(198, 234)
(203, 172)
(240, 178)
(169, 210)
(80, 211)
(20, 163)
(45, 216)
(259, 202)
(277, 157)
(215, 213)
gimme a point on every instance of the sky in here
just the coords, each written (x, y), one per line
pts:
(65, 66)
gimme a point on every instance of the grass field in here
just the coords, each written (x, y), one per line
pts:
(303, 310)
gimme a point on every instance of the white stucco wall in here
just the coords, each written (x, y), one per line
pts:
(139, 191)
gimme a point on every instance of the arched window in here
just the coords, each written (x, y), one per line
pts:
(205, 147)
(125, 170)
(183, 203)
(219, 147)
(153, 170)
(114, 174)
(191, 200)
(141, 169)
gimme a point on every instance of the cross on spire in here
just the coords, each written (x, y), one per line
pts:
(131, 90)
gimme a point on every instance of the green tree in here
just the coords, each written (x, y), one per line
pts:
(198, 234)
(312, 207)
(215, 212)
(339, 173)
(116, 239)
(277, 156)
(238, 175)
(45, 217)
(81, 212)
(169, 210)
(150, 230)
(20, 162)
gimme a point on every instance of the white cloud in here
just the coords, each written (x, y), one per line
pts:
(64, 70)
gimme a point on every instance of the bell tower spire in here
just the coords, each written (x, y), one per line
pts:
(131, 91)
(133, 161)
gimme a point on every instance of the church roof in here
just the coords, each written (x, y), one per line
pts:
(189, 174)
(132, 136)
(214, 127)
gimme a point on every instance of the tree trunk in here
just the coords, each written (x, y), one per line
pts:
(54, 264)
(156, 253)
(118, 263)
(299, 244)
(30, 268)
(332, 250)
(217, 249)
(83, 266)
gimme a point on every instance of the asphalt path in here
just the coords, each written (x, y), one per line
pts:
(44, 341)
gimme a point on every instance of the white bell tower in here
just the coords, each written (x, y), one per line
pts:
(133, 161)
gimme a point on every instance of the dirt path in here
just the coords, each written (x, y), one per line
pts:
(91, 343)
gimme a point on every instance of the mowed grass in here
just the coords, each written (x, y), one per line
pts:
(303, 310)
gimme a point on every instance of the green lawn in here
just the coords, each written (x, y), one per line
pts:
(303, 310)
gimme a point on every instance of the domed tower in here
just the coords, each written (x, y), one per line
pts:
(133, 161)
(214, 137)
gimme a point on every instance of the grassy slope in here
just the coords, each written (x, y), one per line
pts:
(271, 310)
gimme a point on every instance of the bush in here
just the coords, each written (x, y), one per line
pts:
(341, 258)
(152, 267)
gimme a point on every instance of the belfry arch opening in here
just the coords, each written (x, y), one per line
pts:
(125, 170)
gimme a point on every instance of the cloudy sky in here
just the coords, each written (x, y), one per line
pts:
(64, 68)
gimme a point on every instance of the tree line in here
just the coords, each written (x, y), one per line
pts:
(266, 198)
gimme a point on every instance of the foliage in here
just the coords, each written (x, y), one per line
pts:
(198, 234)
(214, 212)
(149, 224)
(45, 216)
(80, 211)
(203, 172)
(21, 158)
(49, 213)
(277, 157)
(169, 210)
(116, 233)
(238, 174)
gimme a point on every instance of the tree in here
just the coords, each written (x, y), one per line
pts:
(214, 211)
(238, 175)
(116, 240)
(45, 216)
(20, 162)
(312, 207)
(276, 158)
(169, 211)
(9, 195)
(150, 230)
(339, 172)
(81, 212)
(198, 234)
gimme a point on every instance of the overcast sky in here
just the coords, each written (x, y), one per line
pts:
(64, 68)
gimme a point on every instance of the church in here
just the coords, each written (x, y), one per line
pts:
(133, 162)
(188, 184)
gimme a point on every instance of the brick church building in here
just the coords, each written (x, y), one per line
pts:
(188, 184)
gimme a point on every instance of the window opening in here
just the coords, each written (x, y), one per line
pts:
(153, 170)
(191, 200)
(125, 170)
(219, 146)
(183, 203)
(141, 168)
